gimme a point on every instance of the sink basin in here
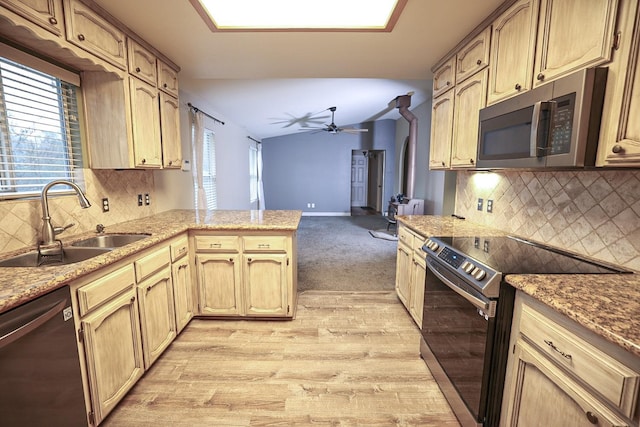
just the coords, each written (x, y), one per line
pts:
(110, 240)
(70, 255)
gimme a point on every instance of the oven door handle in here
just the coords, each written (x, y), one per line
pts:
(477, 302)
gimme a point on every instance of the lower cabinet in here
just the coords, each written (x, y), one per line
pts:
(182, 284)
(411, 270)
(560, 374)
(266, 284)
(219, 284)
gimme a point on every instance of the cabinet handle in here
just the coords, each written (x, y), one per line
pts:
(557, 350)
(264, 245)
(540, 77)
(137, 69)
(617, 149)
(81, 37)
(593, 419)
(53, 21)
(518, 87)
(479, 61)
(215, 245)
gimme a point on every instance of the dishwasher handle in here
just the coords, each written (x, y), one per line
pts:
(37, 319)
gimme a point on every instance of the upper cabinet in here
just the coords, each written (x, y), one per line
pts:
(444, 78)
(474, 56)
(142, 62)
(441, 131)
(572, 35)
(470, 97)
(93, 33)
(512, 51)
(44, 13)
(167, 79)
(620, 129)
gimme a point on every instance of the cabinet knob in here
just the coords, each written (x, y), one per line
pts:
(170, 162)
(165, 85)
(81, 37)
(448, 83)
(479, 61)
(592, 418)
(518, 87)
(617, 149)
(144, 161)
(133, 299)
(231, 260)
(137, 69)
(249, 259)
(540, 77)
(471, 161)
(53, 21)
(442, 163)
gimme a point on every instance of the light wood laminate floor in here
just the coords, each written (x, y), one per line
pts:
(348, 359)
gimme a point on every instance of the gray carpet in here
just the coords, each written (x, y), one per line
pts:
(339, 254)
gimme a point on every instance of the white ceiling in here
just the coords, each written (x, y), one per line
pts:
(261, 79)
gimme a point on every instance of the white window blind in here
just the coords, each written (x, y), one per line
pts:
(39, 131)
(209, 170)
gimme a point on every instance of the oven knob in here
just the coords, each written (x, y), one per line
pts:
(434, 246)
(467, 267)
(480, 274)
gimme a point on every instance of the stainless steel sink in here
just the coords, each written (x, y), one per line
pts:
(110, 240)
(70, 256)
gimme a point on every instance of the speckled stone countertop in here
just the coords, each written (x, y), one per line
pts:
(607, 304)
(21, 284)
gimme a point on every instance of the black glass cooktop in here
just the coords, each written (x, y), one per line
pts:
(510, 255)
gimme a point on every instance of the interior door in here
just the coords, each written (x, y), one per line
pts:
(359, 179)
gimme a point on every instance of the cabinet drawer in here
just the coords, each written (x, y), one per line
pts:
(217, 244)
(418, 243)
(101, 290)
(265, 243)
(405, 236)
(179, 248)
(151, 263)
(142, 62)
(613, 380)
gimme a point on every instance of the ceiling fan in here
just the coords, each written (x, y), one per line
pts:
(333, 128)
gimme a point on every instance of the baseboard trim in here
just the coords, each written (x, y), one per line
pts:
(326, 213)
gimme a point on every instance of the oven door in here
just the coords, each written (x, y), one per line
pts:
(458, 326)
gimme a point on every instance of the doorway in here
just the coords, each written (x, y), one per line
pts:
(367, 181)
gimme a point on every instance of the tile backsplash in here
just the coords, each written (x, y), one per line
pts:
(594, 213)
(21, 220)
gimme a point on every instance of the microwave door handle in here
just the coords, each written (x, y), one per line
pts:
(538, 147)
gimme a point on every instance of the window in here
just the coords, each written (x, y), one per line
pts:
(209, 170)
(253, 174)
(39, 130)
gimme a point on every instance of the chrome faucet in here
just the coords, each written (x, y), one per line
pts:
(49, 232)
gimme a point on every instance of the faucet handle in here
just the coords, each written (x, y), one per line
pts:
(100, 228)
(58, 230)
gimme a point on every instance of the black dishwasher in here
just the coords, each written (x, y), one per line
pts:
(40, 379)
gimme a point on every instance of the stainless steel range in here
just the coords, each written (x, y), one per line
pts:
(468, 309)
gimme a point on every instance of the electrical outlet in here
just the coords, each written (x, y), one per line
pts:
(139, 199)
(105, 205)
(480, 204)
(489, 206)
(147, 200)
(308, 205)
(313, 205)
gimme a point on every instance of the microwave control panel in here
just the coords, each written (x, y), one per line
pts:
(562, 124)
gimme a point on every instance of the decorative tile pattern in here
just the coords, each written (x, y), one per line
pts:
(20, 220)
(594, 213)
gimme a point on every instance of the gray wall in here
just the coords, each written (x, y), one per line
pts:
(315, 168)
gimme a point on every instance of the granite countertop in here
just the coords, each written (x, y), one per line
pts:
(607, 304)
(21, 284)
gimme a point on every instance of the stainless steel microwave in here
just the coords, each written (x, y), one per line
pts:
(555, 125)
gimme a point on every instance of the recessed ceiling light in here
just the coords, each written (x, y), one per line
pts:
(300, 15)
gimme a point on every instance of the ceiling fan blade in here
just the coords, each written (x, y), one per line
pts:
(353, 130)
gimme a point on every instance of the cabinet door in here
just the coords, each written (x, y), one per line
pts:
(170, 131)
(87, 30)
(444, 78)
(113, 352)
(219, 286)
(536, 382)
(142, 62)
(573, 34)
(473, 57)
(45, 13)
(182, 293)
(470, 97)
(157, 317)
(167, 79)
(512, 51)
(441, 131)
(418, 276)
(145, 121)
(266, 278)
(403, 273)
(620, 132)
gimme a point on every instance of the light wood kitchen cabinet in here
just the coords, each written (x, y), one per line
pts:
(182, 284)
(441, 131)
(112, 346)
(219, 284)
(411, 272)
(142, 62)
(167, 79)
(619, 144)
(266, 284)
(170, 131)
(513, 43)
(88, 30)
(470, 98)
(145, 122)
(473, 57)
(590, 381)
(572, 35)
(444, 78)
(44, 13)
